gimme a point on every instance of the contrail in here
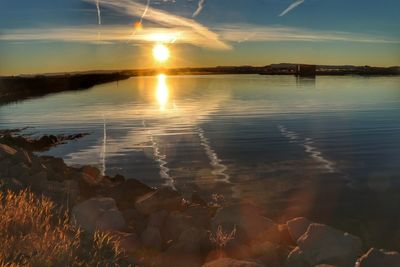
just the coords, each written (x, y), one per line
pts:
(199, 8)
(291, 7)
(219, 168)
(145, 11)
(98, 11)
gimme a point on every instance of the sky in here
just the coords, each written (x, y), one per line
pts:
(41, 36)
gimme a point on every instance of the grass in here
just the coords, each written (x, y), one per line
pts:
(34, 232)
(221, 238)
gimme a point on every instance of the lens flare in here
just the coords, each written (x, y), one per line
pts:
(161, 52)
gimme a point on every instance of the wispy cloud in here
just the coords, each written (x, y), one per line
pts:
(200, 7)
(256, 33)
(98, 12)
(163, 18)
(291, 7)
(185, 35)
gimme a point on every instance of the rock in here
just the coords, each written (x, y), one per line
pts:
(324, 244)
(129, 242)
(161, 199)
(296, 259)
(18, 171)
(135, 220)
(202, 216)
(151, 238)
(7, 151)
(110, 220)
(297, 227)
(267, 253)
(157, 219)
(196, 238)
(285, 237)
(98, 214)
(175, 224)
(376, 258)
(196, 199)
(227, 262)
(23, 156)
(250, 224)
(127, 192)
(180, 255)
(92, 172)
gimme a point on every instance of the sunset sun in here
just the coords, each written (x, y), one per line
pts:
(161, 53)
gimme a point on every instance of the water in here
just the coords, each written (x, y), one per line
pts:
(327, 148)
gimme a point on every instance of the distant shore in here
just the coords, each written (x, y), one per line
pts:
(16, 88)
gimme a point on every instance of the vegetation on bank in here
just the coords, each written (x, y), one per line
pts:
(34, 232)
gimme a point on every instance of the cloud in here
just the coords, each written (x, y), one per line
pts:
(199, 8)
(167, 20)
(257, 33)
(228, 34)
(291, 7)
(98, 12)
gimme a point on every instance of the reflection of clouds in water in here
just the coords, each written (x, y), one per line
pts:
(148, 121)
(308, 144)
(219, 168)
(160, 158)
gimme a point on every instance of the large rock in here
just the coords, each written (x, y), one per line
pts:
(376, 258)
(151, 238)
(175, 224)
(188, 251)
(250, 224)
(297, 227)
(127, 192)
(98, 214)
(161, 199)
(296, 259)
(322, 244)
(6, 151)
(227, 262)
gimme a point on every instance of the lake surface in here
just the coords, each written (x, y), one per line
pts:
(327, 148)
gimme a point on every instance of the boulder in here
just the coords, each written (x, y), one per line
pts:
(127, 192)
(296, 259)
(151, 238)
(135, 220)
(297, 227)
(175, 224)
(129, 243)
(267, 252)
(251, 226)
(202, 216)
(322, 244)
(157, 219)
(98, 214)
(161, 199)
(6, 151)
(375, 257)
(181, 255)
(228, 262)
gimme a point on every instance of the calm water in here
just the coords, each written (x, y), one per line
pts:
(327, 148)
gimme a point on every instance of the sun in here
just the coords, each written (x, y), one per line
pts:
(161, 52)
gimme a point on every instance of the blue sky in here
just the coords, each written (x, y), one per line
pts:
(64, 35)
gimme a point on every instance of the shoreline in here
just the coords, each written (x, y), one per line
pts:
(167, 229)
(17, 88)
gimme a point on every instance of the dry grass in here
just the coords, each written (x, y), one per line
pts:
(220, 239)
(33, 232)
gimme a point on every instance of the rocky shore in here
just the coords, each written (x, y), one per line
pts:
(161, 227)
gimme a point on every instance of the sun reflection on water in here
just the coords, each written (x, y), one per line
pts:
(162, 92)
